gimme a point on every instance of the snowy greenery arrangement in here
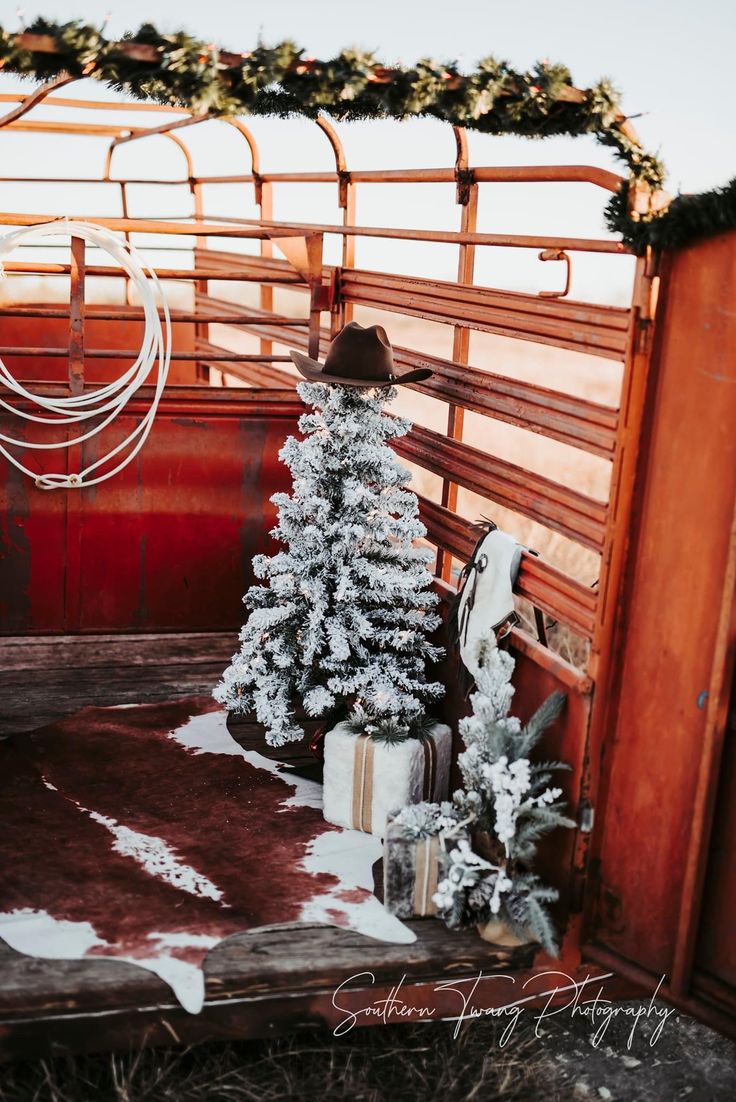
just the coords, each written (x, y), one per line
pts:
(508, 800)
(345, 617)
(425, 820)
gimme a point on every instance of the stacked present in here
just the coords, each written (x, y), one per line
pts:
(417, 839)
(471, 861)
(368, 775)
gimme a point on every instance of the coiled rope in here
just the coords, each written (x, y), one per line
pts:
(107, 401)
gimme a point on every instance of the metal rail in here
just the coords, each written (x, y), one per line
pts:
(581, 327)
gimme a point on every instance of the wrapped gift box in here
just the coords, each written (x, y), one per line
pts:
(366, 779)
(412, 868)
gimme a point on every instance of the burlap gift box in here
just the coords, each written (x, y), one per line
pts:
(412, 869)
(365, 779)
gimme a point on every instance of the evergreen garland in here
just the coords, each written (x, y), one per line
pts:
(279, 80)
(688, 218)
(181, 70)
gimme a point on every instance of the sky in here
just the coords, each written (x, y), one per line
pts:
(672, 60)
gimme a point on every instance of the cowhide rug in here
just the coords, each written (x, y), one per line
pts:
(147, 834)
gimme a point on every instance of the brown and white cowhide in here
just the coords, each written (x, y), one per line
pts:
(147, 834)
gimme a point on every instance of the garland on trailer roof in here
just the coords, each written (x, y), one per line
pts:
(688, 218)
(178, 69)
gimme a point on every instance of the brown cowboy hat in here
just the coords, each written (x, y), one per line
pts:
(358, 356)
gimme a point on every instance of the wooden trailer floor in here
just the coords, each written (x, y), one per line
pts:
(264, 981)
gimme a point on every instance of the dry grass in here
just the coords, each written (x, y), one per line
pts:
(420, 1062)
(408, 1062)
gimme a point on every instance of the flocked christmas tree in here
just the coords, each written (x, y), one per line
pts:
(345, 617)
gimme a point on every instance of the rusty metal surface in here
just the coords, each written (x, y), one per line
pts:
(164, 546)
(167, 545)
(673, 649)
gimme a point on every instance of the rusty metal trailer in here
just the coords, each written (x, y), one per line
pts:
(150, 568)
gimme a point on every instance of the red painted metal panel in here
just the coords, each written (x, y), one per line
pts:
(715, 951)
(21, 332)
(32, 543)
(662, 749)
(165, 545)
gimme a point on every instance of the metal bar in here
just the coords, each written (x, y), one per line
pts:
(574, 421)
(92, 130)
(316, 304)
(164, 128)
(450, 237)
(34, 98)
(99, 105)
(24, 268)
(346, 198)
(266, 293)
(182, 398)
(574, 515)
(483, 174)
(76, 316)
(467, 197)
(87, 180)
(130, 353)
(133, 313)
(512, 174)
(201, 329)
(125, 212)
(152, 226)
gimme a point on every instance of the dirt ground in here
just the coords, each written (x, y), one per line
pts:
(685, 1061)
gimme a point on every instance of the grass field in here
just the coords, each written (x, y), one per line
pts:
(419, 1062)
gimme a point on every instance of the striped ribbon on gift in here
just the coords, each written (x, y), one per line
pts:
(425, 875)
(363, 777)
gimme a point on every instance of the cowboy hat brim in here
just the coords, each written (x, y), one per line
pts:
(314, 371)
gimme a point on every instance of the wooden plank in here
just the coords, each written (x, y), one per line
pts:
(48, 652)
(255, 372)
(257, 982)
(29, 702)
(581, 326)
(574, 515)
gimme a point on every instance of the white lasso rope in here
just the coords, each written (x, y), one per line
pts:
(111, 398)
